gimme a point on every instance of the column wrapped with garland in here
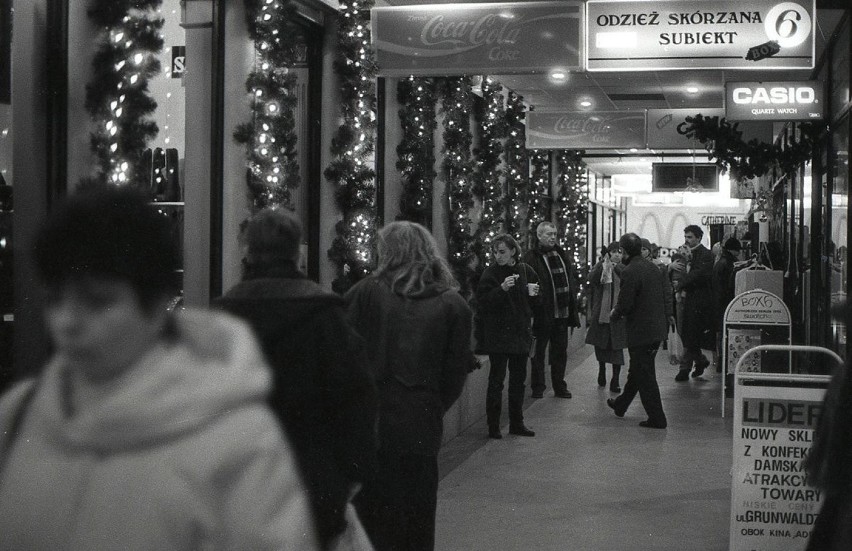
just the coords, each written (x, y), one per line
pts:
(270, 137)
(416, 150)
(457, 171)
(489, 176)
(351, 171)
(117, 97)
(572, 204)
(517, 167)
(539, 198)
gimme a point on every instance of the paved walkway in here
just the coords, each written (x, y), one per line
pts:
(591, 481)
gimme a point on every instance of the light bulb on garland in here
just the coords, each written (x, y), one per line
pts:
(517, 168)
(573, 196)
(117, 97)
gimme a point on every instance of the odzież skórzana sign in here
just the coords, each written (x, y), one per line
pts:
(457, 39)
(774, 101)
(694, 34)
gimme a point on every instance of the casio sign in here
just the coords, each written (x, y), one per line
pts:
(798, 95)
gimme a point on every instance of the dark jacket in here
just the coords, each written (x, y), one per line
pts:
(418, 349)
(503, 317)
(612, 335)
(723, 285)
(641, 302)
(543, 312)
(699, 325)
(322, 390)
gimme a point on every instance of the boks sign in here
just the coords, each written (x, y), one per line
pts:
(774, 101)
(458, 39)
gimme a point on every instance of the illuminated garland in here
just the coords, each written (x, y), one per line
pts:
(517, 168)
(489, 175)
(117, 97)
(539, 199)
(747, 160)
(270, 137)
(416, 150)
(351, 171)
(457, 170)
(572, 203)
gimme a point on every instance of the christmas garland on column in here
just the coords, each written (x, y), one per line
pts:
(351, 171)
(270, 137)
(489, 175)
(117, 97)
(572, 200)
(416, 150)
(457, 171)
(539, 200)
(517, 167)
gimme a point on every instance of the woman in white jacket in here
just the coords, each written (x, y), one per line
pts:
(146, 430)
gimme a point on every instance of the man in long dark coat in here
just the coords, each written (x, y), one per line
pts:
(699, 306)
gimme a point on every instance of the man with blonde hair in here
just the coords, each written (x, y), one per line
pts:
(555, 312)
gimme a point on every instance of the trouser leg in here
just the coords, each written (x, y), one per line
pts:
(537, 364)
(649, 390)
(494, 394)
(558, 354)
(631, 386)
(517, 376)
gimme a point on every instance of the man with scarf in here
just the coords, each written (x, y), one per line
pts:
(556, 310)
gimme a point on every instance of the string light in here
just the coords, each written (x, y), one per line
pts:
(517, 168)
(490, 176)
(416, 151)
(573, 200)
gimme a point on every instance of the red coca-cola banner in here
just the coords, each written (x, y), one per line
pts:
(499, 38)
(583, 130)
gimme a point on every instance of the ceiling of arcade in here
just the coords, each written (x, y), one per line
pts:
(616, 91)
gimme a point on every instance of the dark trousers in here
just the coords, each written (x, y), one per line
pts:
(642, 379)
(397, 504)
(517, 364)
(692, 354)
(557, 336)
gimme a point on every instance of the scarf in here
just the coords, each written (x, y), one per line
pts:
(561, 289)
(609, 295)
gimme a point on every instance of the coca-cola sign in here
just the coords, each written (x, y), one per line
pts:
(456, 39)
(582, 130)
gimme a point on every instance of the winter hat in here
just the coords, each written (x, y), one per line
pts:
(733, 244)
(646, 244)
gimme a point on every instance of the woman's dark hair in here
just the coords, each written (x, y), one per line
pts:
(109, 232)
(694, 230)
(510, 243)
(271, 238)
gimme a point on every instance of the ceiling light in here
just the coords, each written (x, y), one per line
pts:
(558, 75)
(586, 103)
(692, 89)
(633, 150)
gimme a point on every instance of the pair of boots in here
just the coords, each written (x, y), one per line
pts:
(616, 372)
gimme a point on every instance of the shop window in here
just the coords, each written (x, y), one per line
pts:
(840, 95)
(837, 253)
(6, 283)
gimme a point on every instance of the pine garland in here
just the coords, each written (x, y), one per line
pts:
(540, 201)
(270, 137)
(572, 201)
(489, 175)
(517, 168)
(747, 160)
(352, 146)
(117, 97)
(416, 150)
(457, 171)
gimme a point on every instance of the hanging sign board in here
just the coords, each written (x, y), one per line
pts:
(757, 307)
(457, 39)
(695, 34)
(772, 506)
(800, 100)
(663, 127)
(584, 130)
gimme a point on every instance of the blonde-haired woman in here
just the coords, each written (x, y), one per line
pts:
(417, 331)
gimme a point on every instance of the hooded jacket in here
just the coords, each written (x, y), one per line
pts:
(322, 391)
(418, 349)
(181, 453)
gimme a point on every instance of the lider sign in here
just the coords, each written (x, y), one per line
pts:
(774, 101)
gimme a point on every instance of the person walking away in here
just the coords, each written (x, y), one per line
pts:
(698, 306)
(641, 304)
(676, 269)
(723, 288)
(147, 429)
(323, 394)
(607, 336)
(504, 331)
(417, 331)
(556, 311)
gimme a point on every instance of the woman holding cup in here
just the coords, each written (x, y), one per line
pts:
(505, 294)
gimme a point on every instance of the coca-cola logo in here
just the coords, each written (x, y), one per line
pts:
(488, 29)
(567, 124)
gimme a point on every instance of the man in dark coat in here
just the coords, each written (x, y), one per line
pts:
(555, 312)
(323, 393)
(699, 311)
(641, 303)
(723, 287)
